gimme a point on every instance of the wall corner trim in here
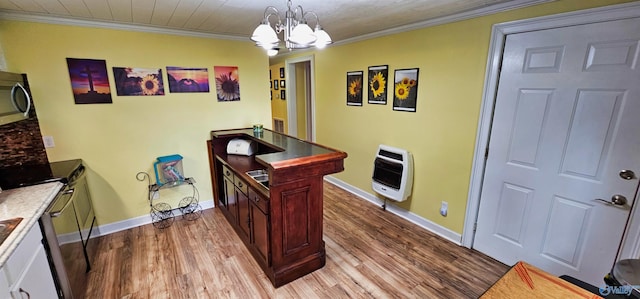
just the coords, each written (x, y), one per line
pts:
(409, 216)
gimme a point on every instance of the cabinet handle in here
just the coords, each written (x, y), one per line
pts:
(240, 184)
(257, 199)
(227, 173)
(248, 221)
(23, 291)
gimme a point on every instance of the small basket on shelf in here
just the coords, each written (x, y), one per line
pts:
(168, 170)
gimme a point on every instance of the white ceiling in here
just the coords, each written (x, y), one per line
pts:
(342, 19)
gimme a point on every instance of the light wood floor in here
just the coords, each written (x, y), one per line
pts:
(370, 254)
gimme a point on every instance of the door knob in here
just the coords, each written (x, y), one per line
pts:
(617, 200)
(627, 174)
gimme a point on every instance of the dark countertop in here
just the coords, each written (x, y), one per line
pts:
(291, 151)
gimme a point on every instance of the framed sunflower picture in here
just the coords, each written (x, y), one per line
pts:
(377, 84)
(354, 88)
(132, 81)
(227, 83)
(405, 90)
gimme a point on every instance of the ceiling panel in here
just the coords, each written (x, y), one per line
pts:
(76, 8)
(99, 9)
(29, 5)
(53, 7)
(183, 12)
(342, 19)
(121, 10)
(163, 11)
(142, 10)
(8, 5)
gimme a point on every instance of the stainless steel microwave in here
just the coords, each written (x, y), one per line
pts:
(15, 100)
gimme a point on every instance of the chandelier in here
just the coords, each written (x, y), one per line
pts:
(297, 34)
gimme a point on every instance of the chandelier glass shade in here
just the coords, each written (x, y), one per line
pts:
(296, 31)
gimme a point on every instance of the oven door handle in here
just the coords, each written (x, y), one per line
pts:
(66, 205)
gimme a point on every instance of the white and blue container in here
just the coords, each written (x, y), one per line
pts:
(168, 170)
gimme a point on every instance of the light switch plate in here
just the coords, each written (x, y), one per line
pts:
(48, 141)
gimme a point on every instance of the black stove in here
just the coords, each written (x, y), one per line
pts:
(28, 175)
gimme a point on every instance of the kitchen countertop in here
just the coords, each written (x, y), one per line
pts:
(293, 151)
(28, 203)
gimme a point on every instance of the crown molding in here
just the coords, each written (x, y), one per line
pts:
(480, 12)
(14, 16)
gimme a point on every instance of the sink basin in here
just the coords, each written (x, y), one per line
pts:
(7, 226)
(261, 176)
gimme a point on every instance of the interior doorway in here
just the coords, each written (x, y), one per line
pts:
(301, 97)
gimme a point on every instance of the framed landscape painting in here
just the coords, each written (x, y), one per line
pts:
(182, 79)
(89, 81)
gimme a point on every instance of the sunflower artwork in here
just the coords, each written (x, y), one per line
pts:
(377, 84)
(138, 81)
(405, 90)
(354, 88)
(227, 83)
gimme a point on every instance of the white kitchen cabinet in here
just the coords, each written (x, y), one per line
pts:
(27, 270)
(36, 281)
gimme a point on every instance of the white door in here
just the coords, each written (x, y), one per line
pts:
(566, 122)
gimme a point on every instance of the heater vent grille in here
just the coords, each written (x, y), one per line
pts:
(278, 125)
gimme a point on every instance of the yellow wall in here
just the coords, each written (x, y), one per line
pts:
(278, 106)
(301, 101)
(441, 134)
(118, 140)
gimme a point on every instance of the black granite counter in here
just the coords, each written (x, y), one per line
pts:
(288, 150)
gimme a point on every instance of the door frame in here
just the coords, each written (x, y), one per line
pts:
(630, 246)
(290, 73)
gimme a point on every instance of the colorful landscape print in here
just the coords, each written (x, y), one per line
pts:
(138, 81)
(227, 83)
(188, 79)
(89, 81)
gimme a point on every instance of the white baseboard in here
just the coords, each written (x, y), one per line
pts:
(411, 217)
(111, 228)
(431, 226)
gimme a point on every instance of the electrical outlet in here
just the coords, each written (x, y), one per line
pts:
(444, 208)
(48, 141)
(155, 195)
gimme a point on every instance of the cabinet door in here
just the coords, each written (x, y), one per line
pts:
(36, 281)
(230, 197)
(243, 212)
(260, 227)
